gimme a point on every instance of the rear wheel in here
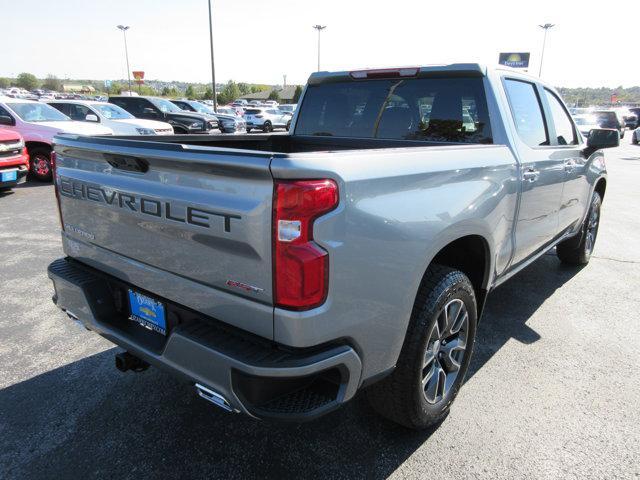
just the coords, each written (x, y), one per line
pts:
(267, 127)
(289, 125)
(577, 250)
(40, 163)
(634, 139)
(248, 130)
(435, 355)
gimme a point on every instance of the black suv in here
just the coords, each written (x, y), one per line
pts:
(155, 108)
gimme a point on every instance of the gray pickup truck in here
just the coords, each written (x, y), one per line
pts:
(280, 274)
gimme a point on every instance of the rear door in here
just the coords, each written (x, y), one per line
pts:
(187, 223)
(541, 170)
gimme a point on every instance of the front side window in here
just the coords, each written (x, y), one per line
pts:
(426, 109)
(78, 112)
(37, 112)
(165, 106)
(564, 128)
(527, 112)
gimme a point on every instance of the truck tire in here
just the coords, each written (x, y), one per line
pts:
(577, 249)
(40, 163)
(435, 355)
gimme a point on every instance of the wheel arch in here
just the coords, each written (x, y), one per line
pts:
(601, 187)
(33, 144)
(472, 255)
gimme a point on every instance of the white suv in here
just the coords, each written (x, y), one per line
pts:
(38, 123)
(267, 119)
(112, 116)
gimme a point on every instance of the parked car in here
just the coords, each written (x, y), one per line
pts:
(586, 123)
(14, 159)
(229, 111)
(270, 103)
(636, 112)
(610, 119)
(38, 123)
(280, 274)
(112, 116)
(630, 118)
(288, 107)
(240, 102)
(156, 108)
(635, 139)
(227, 123)
(266, 119)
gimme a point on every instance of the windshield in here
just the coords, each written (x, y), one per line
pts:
(112, 112)
(38, 112)
(428, 109)
(199, 107)
(165, 106)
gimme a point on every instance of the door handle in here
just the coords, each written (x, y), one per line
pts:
(569, 165)
(530, 175)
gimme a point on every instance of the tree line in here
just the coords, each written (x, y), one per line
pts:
(227, 94)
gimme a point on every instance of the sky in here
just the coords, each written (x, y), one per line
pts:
(259, 41)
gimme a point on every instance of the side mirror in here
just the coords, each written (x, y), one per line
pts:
(6, 120)
(603, 138)
(91, 118)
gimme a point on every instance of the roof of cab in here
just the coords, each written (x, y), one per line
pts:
(474, 69)
(452, 69)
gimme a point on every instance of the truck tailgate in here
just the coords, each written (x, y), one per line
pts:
(193, 222)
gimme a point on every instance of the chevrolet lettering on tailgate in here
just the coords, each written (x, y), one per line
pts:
(190, 214)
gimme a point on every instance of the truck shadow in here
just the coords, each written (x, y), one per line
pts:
(86, 420)
(510, 306)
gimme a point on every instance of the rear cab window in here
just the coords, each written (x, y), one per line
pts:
(452, 110)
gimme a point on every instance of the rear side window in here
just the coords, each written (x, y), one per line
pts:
(4, 112)
(564, 128)
(427, 109)
(131, 105)
(62, 107)
(527, 112)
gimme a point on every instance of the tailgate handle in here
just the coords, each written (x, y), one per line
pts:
(130, 164)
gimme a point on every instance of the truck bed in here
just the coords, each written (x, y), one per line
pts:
(280, 142)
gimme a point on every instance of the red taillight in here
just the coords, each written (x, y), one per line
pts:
(54, 161)
(301, 267)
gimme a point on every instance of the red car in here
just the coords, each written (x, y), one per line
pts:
(14, 159)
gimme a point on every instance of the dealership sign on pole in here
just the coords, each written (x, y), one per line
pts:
(139, 77)
(514, 59)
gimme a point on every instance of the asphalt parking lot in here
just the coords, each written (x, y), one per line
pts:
(553, 390)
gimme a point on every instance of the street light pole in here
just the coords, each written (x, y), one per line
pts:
(126, 51)
(319, 28)
(546, 28)
(213, 70)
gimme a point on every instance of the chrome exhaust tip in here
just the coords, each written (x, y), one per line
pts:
(215, 398)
